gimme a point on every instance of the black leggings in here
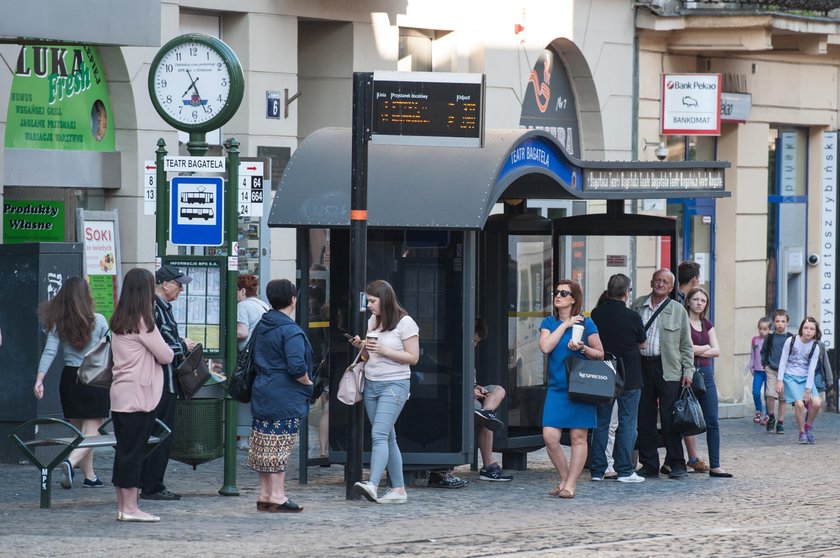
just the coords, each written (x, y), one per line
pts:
(132, 431)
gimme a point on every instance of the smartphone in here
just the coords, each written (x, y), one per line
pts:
(347, 335)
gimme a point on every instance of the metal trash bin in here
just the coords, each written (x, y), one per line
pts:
(199, 428)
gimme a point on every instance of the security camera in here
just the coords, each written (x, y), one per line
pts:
(813, 259)
(661, 152)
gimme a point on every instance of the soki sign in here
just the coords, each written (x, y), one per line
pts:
(690, 104)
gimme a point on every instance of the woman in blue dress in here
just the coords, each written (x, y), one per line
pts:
(559, 411)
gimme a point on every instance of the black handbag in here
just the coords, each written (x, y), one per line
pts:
(591, 381)
(698, 383)
(244, 373)
(688, 415)
(193, 372)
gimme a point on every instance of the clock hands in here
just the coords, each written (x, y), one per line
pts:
(194, 87)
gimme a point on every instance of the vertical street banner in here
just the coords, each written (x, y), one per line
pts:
(787, 164)
(828, 236)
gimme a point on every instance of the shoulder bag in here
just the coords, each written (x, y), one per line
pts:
(352, 383)
(193, 372)
(688, 415)
(698, 381)
(96, 369)
(244, 373)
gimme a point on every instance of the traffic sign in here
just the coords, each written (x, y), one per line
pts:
(197, 211)
(250, 193)
(149, 188)
(194, 164)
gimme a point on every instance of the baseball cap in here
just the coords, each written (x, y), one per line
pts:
(171, 273)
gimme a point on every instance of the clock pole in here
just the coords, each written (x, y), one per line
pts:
(198, 146)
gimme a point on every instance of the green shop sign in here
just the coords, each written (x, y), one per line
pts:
(33, 221)
(59, 100)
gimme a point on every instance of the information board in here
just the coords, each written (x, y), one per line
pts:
(428, 108)
(198, 310)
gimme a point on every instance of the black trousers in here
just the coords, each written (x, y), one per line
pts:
(656, 389)
(154, 466)
(132, 431)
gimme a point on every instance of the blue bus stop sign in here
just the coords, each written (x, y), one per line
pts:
(197, 213)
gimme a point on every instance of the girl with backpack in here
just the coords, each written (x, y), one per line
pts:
(797, 369)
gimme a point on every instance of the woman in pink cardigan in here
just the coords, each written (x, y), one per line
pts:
(138, 350)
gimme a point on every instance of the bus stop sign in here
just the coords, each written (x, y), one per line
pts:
(196, 216)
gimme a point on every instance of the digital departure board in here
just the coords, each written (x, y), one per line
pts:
(428, 108)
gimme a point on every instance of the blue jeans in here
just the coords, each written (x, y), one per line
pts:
(384, 402)
(625, 435)
(709, 404)
(759, 379)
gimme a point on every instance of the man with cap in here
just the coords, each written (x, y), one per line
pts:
(169, 282)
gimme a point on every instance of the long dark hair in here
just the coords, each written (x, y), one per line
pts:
(576, 293)
(691, 294)
(136, 303)
(617, 287)
(70, 313)
(390, 311)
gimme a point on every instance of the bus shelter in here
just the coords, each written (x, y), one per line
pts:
(450, 229)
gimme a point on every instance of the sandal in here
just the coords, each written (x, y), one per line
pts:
(566, 495)
(286, 507)
(556, 490)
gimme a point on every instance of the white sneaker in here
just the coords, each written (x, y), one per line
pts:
(366, 489)
(632, 478)
(393, 497)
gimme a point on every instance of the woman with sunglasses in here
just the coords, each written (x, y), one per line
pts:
(559, 411)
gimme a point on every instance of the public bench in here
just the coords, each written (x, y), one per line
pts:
(77, 441)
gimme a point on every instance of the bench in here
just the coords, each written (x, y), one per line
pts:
(77, 441)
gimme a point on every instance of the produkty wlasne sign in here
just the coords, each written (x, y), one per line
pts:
(690, 104)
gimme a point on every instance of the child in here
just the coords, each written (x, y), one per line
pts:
(771, 354)
(757, 370)
(797, 368)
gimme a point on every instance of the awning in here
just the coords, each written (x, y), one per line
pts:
(456, 188)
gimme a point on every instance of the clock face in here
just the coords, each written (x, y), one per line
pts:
(191, 85)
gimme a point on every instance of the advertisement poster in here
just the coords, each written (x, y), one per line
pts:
(59, 100)
(33, 221)
(98, 231)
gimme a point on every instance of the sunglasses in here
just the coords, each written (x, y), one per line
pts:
(561, 293)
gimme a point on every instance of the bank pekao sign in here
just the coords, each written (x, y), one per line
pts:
(690, 105)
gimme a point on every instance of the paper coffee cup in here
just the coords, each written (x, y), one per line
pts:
(577, 333)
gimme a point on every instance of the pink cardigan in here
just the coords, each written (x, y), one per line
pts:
(138, 377)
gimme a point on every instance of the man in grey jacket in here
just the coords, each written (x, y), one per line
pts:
(667, 365)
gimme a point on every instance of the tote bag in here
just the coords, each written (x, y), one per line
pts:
(591, 381)
(96, 369)
(352, 383)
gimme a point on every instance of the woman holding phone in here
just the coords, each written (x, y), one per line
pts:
(391, 347)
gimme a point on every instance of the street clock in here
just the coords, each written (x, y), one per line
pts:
(196, 83)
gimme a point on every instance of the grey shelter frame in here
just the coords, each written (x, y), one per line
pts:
(445, 190)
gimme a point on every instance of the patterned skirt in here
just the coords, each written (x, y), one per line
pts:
(271, 443)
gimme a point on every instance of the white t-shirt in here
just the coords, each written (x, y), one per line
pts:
(379, 368)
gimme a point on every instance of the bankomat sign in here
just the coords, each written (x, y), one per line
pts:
(690, 104)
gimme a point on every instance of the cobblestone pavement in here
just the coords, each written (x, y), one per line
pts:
(782, 502)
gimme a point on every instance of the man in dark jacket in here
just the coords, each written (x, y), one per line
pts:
(169, 282)
(622, 334)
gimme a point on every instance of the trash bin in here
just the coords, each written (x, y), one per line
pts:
(199, 427)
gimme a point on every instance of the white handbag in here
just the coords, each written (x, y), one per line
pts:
(352, 383)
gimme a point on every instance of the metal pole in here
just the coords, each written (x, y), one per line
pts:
(362, 93)
(162, 203)
(231, 220)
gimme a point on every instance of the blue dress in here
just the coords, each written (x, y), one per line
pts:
(559, 411)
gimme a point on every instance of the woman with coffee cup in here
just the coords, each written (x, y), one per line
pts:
(391, 347)
(563, 334)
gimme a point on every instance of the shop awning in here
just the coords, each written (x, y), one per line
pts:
(456, 188)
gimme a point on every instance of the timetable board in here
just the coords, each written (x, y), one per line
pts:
(199, 309)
